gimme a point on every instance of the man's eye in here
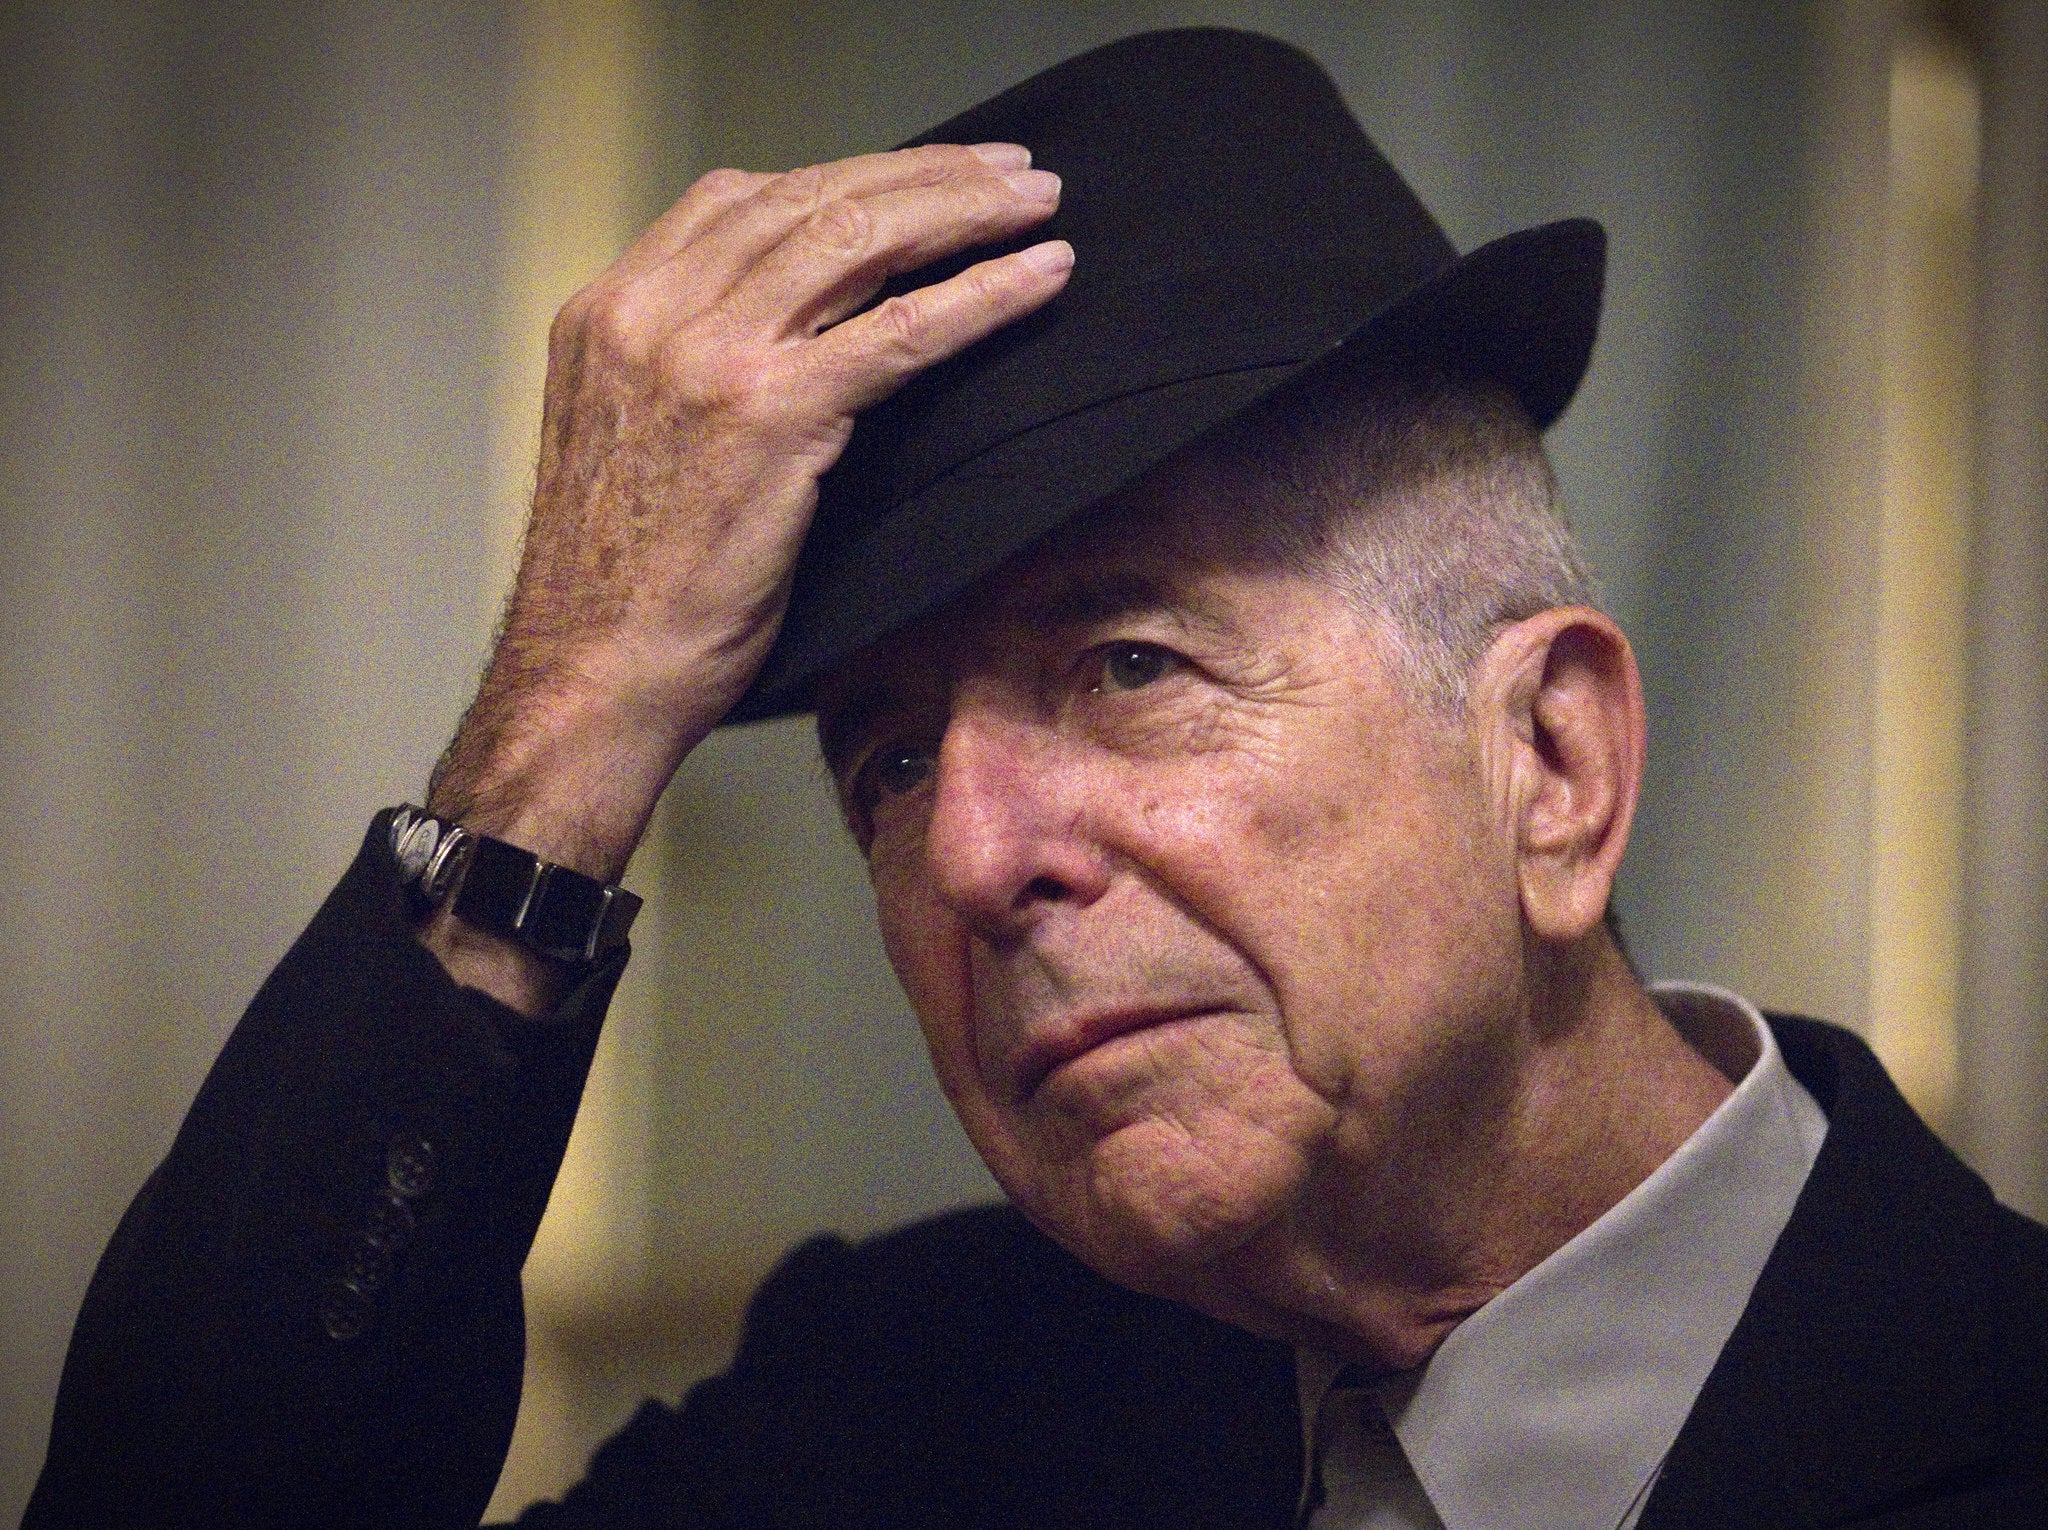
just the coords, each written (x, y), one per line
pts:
(898, 769)
(1131, 666)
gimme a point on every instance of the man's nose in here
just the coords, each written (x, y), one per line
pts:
(1009, 840)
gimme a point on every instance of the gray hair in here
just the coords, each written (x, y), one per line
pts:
(1427, 499)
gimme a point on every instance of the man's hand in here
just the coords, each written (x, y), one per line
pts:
(695, 393)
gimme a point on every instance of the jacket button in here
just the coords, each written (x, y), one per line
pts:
(347, 1311)
(389, 1225)
(368, 1269)
(409, 1167)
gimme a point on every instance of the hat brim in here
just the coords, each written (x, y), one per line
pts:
(1522, 311)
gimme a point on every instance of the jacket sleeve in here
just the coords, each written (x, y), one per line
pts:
(311, 1313)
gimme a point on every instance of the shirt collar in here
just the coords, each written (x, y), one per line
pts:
(1555, 1404)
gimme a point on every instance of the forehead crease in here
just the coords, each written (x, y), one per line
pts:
(1079, 588)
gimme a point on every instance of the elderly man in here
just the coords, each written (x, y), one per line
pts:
(1242, 770)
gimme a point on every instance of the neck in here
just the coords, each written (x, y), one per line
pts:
(1595, 1091)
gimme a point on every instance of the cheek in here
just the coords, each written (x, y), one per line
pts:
(1401, 917)
(927, 947)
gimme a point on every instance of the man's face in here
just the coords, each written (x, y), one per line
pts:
(1197, 909)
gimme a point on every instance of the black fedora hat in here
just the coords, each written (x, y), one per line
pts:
(1232, 226)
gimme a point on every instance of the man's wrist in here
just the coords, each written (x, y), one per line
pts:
(571, 774)
(564, 781)
(564, 757)
(495, 962)
(505, 890)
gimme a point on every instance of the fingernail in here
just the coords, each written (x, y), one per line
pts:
(1035, 185)
(1003, 156)
(1051, 258)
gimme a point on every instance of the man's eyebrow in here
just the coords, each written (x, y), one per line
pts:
(1077, 602)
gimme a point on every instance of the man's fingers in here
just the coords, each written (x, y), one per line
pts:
(908, 236)
(740, 233)
(864, 360)
(713, 263)
(705, 201)
(894, 169)
(838, 257)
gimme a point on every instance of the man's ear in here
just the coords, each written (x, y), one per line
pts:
(1559, 708)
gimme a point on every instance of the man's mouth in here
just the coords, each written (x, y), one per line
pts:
(1047, 1050)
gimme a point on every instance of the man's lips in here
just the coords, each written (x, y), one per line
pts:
(1045, 1049)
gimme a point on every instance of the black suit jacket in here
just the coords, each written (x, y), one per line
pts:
(310, 1316)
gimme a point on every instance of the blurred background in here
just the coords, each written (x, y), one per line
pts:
(274, 285)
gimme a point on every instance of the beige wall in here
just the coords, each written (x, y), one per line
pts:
(247, 269)
(2003, 1102)
(271, 286)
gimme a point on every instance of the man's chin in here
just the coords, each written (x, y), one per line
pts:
(1146, 1219)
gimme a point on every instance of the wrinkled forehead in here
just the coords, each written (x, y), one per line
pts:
(1167, 544)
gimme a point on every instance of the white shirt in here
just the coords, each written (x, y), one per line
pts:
(1554, 1405)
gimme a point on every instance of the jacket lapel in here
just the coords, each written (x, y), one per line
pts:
(1861, 1373)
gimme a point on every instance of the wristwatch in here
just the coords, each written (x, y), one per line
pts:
(558, 913)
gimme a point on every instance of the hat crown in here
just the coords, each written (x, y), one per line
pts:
(1233, 226)
(1202, 147)
(1226, 212)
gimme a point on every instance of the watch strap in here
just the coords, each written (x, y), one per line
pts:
(498, 887)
